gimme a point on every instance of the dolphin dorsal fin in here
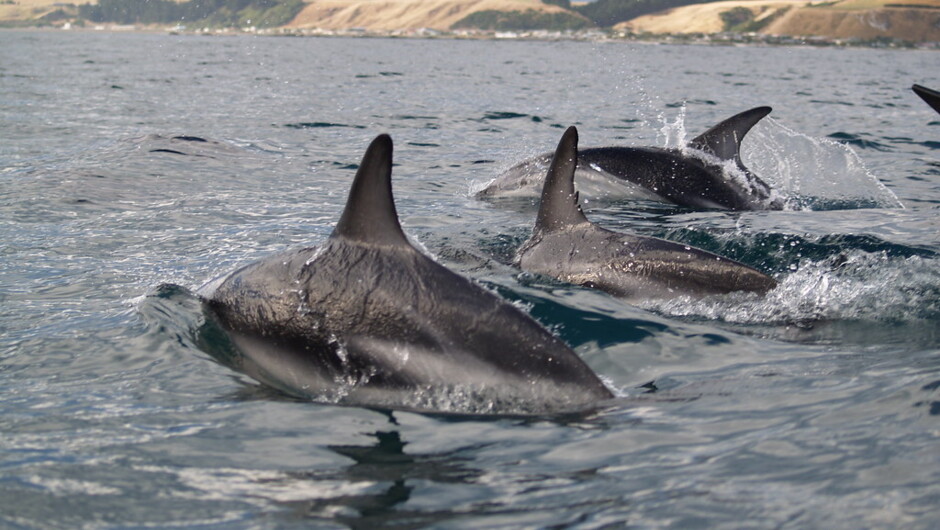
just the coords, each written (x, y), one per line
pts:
(932, 97)
(724, 140)
(370, 215)
(559, 207)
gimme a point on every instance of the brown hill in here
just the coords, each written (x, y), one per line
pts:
(704, 18)
(911, 24)
(32, 9)
(388, 15)
(912, 20)
(376, 15)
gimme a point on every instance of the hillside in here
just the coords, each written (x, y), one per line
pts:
(912, 20)
(387, 15)
(369, 15)
(707, 18)
(23, 10)
(905, 23)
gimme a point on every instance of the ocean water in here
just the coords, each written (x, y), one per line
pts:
(130, 161)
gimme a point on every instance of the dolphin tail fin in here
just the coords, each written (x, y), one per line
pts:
(559, 205)
(370, 215)
(932, 97)
(724, 140)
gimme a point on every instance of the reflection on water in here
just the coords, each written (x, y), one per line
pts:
(393, 471)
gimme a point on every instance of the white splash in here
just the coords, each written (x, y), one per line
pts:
(806, 170)
(857, 286)
(672, 135)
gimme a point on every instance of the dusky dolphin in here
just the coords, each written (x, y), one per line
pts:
(567, 246)
(367, 319)
(697, 176)
(932, 97)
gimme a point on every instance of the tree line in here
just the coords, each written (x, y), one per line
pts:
(259, 13)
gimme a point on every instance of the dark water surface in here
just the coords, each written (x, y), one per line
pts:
(130, 161)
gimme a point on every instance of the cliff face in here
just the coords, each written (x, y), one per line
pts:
(389, 15)
(912, 20)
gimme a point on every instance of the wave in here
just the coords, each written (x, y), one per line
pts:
(852, 286)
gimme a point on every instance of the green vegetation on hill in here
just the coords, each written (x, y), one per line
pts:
(527, 20)
(742, 20)
(606, 13)
(221, 13)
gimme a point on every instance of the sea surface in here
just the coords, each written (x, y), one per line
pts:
(133, 161)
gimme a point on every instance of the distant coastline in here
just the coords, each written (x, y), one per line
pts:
(705, 39)
(842, 23)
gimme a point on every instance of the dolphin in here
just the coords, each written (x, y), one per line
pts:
(932, 97)
(368, 319)
(697, 176)
(567, 246)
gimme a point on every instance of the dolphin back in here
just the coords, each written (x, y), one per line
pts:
(393, 328)
(367, 319)
(681, 176)
(627, 266)
(637, 268)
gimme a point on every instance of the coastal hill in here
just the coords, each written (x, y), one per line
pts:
(711, 17)
(906, 20)
(391, 15)
(911, 20)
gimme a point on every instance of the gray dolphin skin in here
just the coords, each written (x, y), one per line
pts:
(567, 246)
(668, 175)
(932, 97)
(367, 319)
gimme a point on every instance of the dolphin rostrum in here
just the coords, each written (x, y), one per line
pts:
(567, 246)
(367, 319)
(932, 97)
(708, 173)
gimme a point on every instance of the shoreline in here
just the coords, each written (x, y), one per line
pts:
(593, 35)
